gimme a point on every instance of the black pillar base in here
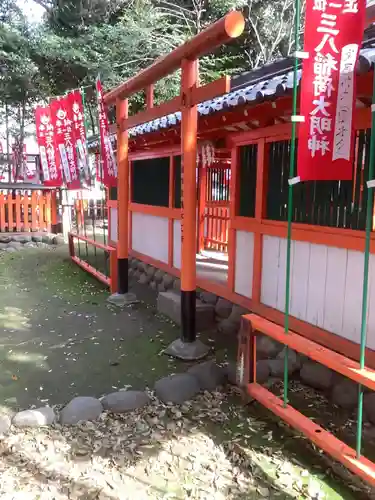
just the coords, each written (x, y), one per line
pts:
(188, 348)
(122, 297)
(188, 313)
(122, 276)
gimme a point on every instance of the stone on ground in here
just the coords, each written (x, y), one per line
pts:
(59, 240)
(4, 239)
(223, 308)
(209, 375)
(144, 279)
(177, 285)
(177, 388)
(11, 249)
(123, 401)
(209, 298)
(15, 244)
(38, 238)
(169, 304)
(81, 409)
(276, 366)
(122, 300)
(30, 244)
(151, 271)
(228, 327)
(267, 347)
(22, 238)
(369, 406)
(345, 394)
(34, 418)
(158, 276)
(161, 287)
(168, 281)
(236, 314)
(316, 375)
(153, 285)
(5, 423)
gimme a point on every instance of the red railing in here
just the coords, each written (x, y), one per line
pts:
(111, 280)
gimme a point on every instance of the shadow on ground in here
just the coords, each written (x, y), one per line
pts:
(60, 338)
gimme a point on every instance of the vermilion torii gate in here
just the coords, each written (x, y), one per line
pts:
(184, 57)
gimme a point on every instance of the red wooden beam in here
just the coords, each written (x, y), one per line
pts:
(229, 27)
(325, 440)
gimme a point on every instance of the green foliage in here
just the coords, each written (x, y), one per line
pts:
(79, 39)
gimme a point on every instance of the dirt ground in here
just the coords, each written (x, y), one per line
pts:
(60, 338)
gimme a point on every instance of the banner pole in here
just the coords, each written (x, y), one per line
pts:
(369, 218)
(290, 195)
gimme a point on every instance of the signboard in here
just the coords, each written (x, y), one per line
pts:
(78, 117)
(107, 157)
(333, 37)
(46, 142)
(65, 150)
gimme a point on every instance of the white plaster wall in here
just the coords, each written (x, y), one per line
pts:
(326, 286)
(150, 235)
(243, 277)
(114, 225)
(177, 244)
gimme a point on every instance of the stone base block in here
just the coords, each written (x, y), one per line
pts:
(169, 303)
(187, 351)
(122, 300)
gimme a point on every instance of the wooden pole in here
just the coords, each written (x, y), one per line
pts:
(54, 212)
(122, 110)
(189, 127)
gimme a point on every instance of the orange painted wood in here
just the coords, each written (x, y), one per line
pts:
(91, 270)
(10, 212)
(123, 190)
(331, 359)
(18, 212)
(322, 235)
(92, 242)
(210, 91)
(172, 213)
(26, 205)
(34, 221)
(150, 96)
(54, 207)
(260, 212)
(2, 213)
(171, 204)
(48, 209)
(164, 109)
(113, 271)
(40, 211)
(362, 120)
(319, 436)
(189, 125)
(224, 30)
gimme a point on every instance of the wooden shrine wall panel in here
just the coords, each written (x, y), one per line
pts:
(150, 235)
(326, 286)
(177, 244)
(113, 236)
(243, 277)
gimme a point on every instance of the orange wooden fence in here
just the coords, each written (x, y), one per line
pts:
(25, 211)
(216, 226)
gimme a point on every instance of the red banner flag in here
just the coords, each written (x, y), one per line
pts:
(107, 157)
(76, 104)
(333, 36)
(65, 151)
(46, 142)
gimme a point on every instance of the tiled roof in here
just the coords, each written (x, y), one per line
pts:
(269, 82)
